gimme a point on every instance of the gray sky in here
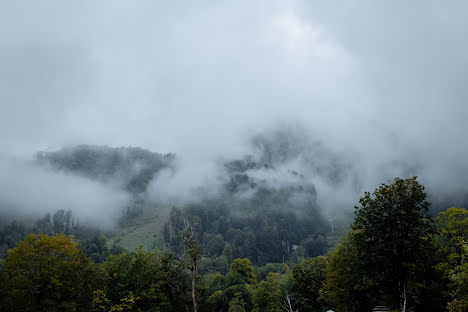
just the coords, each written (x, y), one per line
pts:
(385, 82)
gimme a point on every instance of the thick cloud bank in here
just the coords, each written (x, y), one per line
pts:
(27, 190)
(382, 85)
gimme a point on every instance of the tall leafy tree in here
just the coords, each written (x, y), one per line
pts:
(391, 232)
(452, 240)
(241, 281)
(145, 277)
(309, 276)
(459, 277)
(270, 293)
(452, 233)
(346, 287)
(242, 272)
(48, 273)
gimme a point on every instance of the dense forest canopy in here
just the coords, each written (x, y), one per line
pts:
(258, 220)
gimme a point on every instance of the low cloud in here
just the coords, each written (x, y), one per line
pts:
(29, 191)
(382, 87)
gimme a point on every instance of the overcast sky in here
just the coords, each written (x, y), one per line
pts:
(383, 80)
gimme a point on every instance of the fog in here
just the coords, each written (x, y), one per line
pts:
(380, 86)
(29, 191)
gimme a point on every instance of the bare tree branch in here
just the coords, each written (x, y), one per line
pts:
(286, 304)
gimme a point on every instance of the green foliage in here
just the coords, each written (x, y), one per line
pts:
(351, 286)
(217, 301)
(10, 235)
(236, 304)
(241, 272)
(262, 272)
(452, 237)
(392, 229)
(452, 233)
(269, 294)
(346, 287)
(227, 253)
(49, 273)
(96, 248)
(92, 242)
(102, 304)
(258, 220)
(315, 245)
(392, 232)
(233, 291)
(244, 292)
(147, 276)
(215, 282)
(100, 301)
(308, 278)
(459, 278)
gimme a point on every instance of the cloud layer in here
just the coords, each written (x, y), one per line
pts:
(382, 83)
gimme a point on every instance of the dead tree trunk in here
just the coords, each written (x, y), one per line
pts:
(402, 290)
(190, 238)
(194, 276)
(286, 305)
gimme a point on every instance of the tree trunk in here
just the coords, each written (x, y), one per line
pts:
(194, 273)
(286, 305)
(189, 236)
(402, 289)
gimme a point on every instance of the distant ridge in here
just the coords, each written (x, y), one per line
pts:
(133, 167)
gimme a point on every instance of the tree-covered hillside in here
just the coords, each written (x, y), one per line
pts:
(266, 208)
(378, 262)
(131, 167)
(261, 209)
(255, 216)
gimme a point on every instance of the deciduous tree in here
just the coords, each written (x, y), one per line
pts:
(308, 278)
(391, 232)
(49, 273)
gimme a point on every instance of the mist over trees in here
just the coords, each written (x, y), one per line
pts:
(256, 219)
(378, 261)
(261, 209)
(254, 238)
(265, 206)
(132, 168)
(207, 156)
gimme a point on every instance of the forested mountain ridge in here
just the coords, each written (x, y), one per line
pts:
(263, 207)
(257, 239)
(132, 167)
(260, 209)
(290, 145)
(253, 216)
